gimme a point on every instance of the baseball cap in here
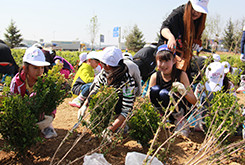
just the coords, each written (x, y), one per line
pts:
(216, 57)
(200, 5)
(127, 55)
(215, 75)
(38, 45)
(82, 57)
(227, 66)
(111, 56)
(93, 55)
(35, 56)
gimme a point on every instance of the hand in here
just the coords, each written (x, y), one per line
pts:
(106, 134)
(242, 57)
(180, 87)
(172, 44)
(46, 122)
(81, 112)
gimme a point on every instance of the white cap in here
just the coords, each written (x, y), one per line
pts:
(200, 5)
(111, 56)
(127, 55)
(93, 55)
(38, 45)
(82, 57)
(35, 56)
(216, 57)
(215, 75)
(227, 66)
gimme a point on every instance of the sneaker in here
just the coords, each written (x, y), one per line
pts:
(185, 131)
(77, 102)
(49, 132)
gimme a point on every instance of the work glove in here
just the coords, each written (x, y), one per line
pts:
(81, 112)
(242, 57)
(107, 134)
(46, 122)
(180, 87)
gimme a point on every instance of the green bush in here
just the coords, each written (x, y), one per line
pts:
(144, 122)
(49, 91)
(17, 123)
(101, 108)
(221, 104)
(19, 115)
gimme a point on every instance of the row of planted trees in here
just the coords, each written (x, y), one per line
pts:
(223, 116)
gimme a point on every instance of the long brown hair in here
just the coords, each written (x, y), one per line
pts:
(117, 75)
(192, 31)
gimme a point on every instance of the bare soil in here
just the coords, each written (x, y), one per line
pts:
(180, 151)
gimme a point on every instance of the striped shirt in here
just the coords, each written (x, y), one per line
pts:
(127, 93)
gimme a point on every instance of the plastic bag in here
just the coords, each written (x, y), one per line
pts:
(95, 159)
(135, 158)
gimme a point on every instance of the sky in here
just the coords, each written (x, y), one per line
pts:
(68, 20)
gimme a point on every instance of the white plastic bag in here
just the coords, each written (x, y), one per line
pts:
(135, 158)
(95, 159)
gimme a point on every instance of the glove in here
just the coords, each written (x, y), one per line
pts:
(180, 87)
(242, 57)
(46, 122)
(106, 134)
(81, 112)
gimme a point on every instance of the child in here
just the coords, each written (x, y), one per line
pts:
(164, 79)
(23, 82)
(67, 67)
(114, 73)
(83, 79)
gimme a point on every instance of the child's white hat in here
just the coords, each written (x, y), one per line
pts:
(215, 75)
(93, 55)
(35, 56)
(82, 57)
(111, 56)
(200, 5)
(216, 57)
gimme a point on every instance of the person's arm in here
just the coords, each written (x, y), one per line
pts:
(117, 123)
(191, 98)
(151, 83)
(166, 33)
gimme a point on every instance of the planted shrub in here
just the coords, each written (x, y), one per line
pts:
(101, 108)
(221, 104)
(49, 92)
(19, 115)
(144, 122)
(18, 124)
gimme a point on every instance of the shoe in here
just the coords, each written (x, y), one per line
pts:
(49, 132)
(77, 102)
(185, 131)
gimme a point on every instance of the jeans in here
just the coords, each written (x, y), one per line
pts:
(85, 89)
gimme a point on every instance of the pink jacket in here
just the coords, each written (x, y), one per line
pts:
(19, 87)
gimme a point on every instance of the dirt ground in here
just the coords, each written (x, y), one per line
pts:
(181, 150)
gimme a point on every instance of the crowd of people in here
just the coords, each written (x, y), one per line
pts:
(162, 65)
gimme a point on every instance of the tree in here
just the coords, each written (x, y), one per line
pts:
(13, 37)
(135, 40)
(229, 40)
(93, 28)
(212, 30)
